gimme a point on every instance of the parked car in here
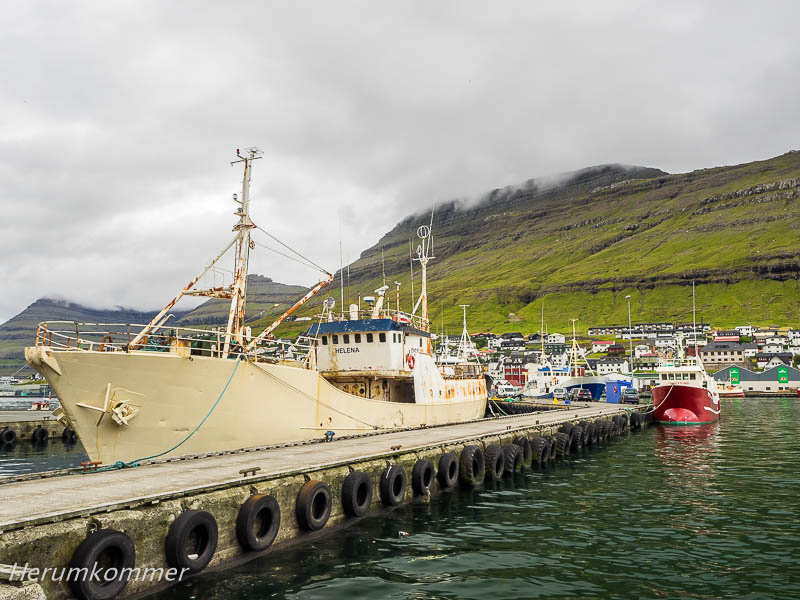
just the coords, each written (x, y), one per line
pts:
(580, 395)
(560, 393)
(629, 396)
(506, 390)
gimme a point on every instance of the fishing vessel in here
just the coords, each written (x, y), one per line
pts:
(139, 392)
(686, 394)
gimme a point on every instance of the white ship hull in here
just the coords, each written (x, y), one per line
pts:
(263, 404)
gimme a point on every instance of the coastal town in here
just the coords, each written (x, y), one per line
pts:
(760, 360)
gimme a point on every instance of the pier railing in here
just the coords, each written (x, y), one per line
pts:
(386, 313)
(183, 341)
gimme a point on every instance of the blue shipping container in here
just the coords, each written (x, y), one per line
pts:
(614, 389)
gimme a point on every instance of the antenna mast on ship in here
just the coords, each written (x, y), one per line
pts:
(235, 327)
(423, 256)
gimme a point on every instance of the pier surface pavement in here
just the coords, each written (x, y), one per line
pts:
(51, 499)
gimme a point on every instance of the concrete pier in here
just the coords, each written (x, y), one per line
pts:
(24, 422)
(42, 521)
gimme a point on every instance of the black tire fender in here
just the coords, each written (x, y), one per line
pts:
(313, 505)
(495, 463)
(197, 527)
(110, 544)
(540, 449)
(447, 473)
(577, 438)
(563, 444)
(8, 436)
(422, 477)
(258, 522)
(527, 453)
(356, 494)
(472, 466)
(40, 435)
(553, 447)
(393, 485)
(513, 459)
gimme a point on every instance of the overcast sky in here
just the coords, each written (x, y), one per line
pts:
(118, 120)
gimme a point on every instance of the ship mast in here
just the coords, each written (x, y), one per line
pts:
(236, 314)
(423, 256)
(237, 291)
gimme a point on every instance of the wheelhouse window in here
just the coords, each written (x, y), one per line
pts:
(382, 337)
(324, 340)
(336, 339)
(358, 338)
(369, 338)
(346, 338)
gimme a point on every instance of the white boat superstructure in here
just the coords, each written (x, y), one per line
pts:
(137, 392)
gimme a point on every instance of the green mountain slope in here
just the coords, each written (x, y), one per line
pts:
(582, 245)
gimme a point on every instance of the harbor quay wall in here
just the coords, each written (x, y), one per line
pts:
(147, 520)
(23, 429)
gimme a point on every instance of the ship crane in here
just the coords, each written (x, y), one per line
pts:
(237, 291)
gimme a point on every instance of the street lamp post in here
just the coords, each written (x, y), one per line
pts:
(630, 330)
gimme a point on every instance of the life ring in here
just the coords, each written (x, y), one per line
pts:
(119, 549)
(198, 526)
(106, 338)
(410, 360)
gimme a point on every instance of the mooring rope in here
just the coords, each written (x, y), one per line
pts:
(120, 464)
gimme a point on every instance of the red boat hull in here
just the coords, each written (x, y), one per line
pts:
(684, 405)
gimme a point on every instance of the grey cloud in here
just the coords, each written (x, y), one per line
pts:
(118, 120)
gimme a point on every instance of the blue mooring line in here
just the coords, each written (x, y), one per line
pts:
(135, 463)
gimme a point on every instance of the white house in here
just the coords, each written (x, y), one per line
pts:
(640, 350)
(601, 345)
(555, 338)
(772, 348)
(606, 366)
(745, 330)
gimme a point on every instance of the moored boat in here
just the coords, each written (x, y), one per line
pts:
(686, 394)
(139, 392)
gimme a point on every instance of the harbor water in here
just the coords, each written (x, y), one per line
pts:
(694, 512)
